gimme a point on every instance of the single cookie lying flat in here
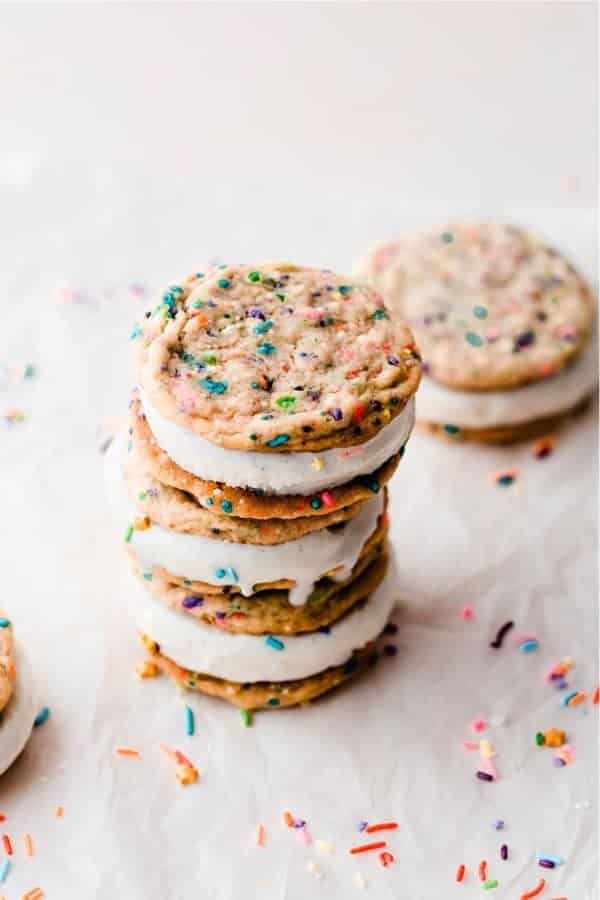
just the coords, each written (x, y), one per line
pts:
(274, 358)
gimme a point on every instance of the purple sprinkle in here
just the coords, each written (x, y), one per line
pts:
(504, 851)
(499, 824)
(525, 340)
(299, 823)
(555, 676)
(362, 825)
(390, 650)
(192, 602)
(390, 628)
(257, 313)
(393, 361)
(337, 414)
(220, 616)
(561, 685)
(325, 629)
(546, 863)
(426, 368)
(558, 762)
(484, 776)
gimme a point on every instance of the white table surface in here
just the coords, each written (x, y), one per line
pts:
(138, 141)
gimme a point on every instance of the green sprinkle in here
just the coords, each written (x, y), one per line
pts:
(199, 274)
(480, 312)
(263, 327)
(487, 885)
(451, 429)
(209, 358)
(246, 717)
(254, 276)
(380, 314)
(226, 506)
(253, 437)
(285, 402)
(142, 495)
(198, 304)
(280, 297)
(42, 716)
(135, 333)
(187, 582)
(266, 349)
(540, 739)
(213, 387)
(29, 371)
(447, 237)
(128, 533)
(316, 503)
(473, 339)
(374, 486)
(278, 440)
(345, 289)
(4, 623)
(147, 576)
(273, 701)
(224, 283)
(505, 480)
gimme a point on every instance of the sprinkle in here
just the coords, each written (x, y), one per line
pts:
(386, 858)
(337, 414)
(565, 701)
(529, 646)
(382, 826)
(128, 534)
(480, 312)
(460, 873)
(535, 891)
(555, 860)
(554, 737)
(327, 499)
(544, 446)
(316, 503)
(28, 844)
(365, 848)
(317, 464)
(232, 573)
(506, 478)
(147, 669)
(380, 314)
(503, 852)
(192, 602)
(189, 721)
(303, 835)
(390, 650)
(266, 349)
(499, 824)
(4, 623)
(142, 523)
(482, 870)
(596, 696)
(274, 642)
(488, 885)
(7, 845)
(285, 402)
(484, 776)
(213, 387)
(220, 573)
(526, 339)
(278, 440)
(127, 751)
(345, 289)
(447, 237)
(59, 811)
(4, 870)
(260, 835)
(451, 429)
(473, 339)
(470, 745)
(486, 749)
(502, 632)
(467, 612)
(393, 361)
(478, 725)
(226, 506)
(135, 332)
(224, 283)
(288, 819)
(246, 717)
(576, 698)
(187, 775)
(362, 825)
(263, 327)
(34, 894)
(546, 863)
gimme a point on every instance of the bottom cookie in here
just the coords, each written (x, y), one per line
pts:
(505, 434)
(263, 695)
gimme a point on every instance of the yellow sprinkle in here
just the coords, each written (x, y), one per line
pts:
(317, 463)
(141, 523)
(486, 749)
(324, 846)
(187, 775)
(147, 669)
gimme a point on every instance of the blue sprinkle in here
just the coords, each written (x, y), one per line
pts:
(564, 701)
(529, 646)
(278, 440)
(473, 339)
(189, 721)
(220, 573)
(226, 506)
(4, 870)
(262, 328)
(266, 349)
(224, 283)
(480, 312)
(192, 602)
(451, 429)
(213, 387)
(499, 824)
(274, 642)
(135, 332)
(4, 623)
(380, 314)
(393, 361)
(42, 716)
(232, 574)
(337, 414)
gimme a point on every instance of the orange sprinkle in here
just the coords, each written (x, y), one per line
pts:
(2, 818)
(535, 891)
(596, 695)
(578, 698)
(483, 870)
(364, 848)
(7, 845)
(127, 751)
(544, 446)
(288, 819)
(59, 811)
(34, 894)
(28, 844)
(260, 835)
(460, 872)
(383, 826)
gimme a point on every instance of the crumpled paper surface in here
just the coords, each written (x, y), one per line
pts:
(388, 747)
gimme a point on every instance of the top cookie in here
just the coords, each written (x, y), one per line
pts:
(276, 357)
(7, 662)
(491, 306)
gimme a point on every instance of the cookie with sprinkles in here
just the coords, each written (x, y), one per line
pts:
(18, 704)
(505, 324)
(275, 357)
(7, 662)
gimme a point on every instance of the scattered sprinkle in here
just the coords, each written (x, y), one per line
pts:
(4, 623)
(484, 776)
(596, 696)
(555, 860)
(544, 446)
(528, 895)
(506, 478)
(147, 669)
(260, 835)
(246, 717)
(467, 612)
(478, 725)
(503, 852)
(473, 339)
(460, 873)
(489, 884)
(288, 819)
(278, 440)
(482, 870)
(213, 387)
(127, 751)
(365, 848)
(59, 811)
(499, 824)
(386, 858)
(189, 721)
(501, 634)
(7, 845)
(4, 870)
(226, 506)
(546, 863)
(480, 312)
(28, 844)
(274, 642)
(529, 646)
(381, 826)
(451, 429)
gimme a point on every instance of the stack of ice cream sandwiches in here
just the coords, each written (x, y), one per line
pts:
(273, 405)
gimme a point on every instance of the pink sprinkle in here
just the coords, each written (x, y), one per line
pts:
(470, 745)
(489, 766)
(566, 331)
(467, 612)
(303, 836)
(308, 312)
(492, 334)
(478, 725)
(327, 499)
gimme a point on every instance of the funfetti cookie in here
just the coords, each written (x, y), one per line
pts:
(17, 698)
(505, 325)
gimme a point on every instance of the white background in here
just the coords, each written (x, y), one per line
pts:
(135, 143)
